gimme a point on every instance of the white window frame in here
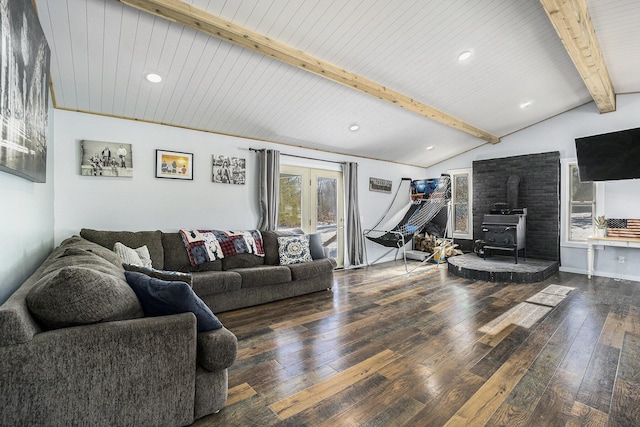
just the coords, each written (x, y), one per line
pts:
(565, 198)
(456, 235)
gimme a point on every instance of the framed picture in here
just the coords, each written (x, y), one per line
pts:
(99, 158)
(381, 185)
(24, 97)
(229, 170)
(174, 165)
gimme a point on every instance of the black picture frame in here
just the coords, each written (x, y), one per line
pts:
(24, 107)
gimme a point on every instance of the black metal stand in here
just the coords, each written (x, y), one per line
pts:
(511, 248)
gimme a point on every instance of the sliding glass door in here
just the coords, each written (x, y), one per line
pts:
(312, 200)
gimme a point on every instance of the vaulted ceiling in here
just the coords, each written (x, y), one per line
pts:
(302, 72)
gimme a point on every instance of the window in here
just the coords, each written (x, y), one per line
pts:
(461, 203)
(582, 206)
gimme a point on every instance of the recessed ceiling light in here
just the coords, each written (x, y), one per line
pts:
(354, 128)
(465, 55)
(153, 78)
(431, 147)
(525, 104)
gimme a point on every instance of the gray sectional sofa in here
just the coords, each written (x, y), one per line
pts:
(242, 280)
(76, 349)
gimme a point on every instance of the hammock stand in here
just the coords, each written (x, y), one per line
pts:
(424, 207)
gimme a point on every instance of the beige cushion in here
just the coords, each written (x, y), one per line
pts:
(139, 256)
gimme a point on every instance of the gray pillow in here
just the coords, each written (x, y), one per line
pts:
(74, 296)
(315, 246)
(74, 257)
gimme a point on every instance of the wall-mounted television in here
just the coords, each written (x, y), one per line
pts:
(610, 156)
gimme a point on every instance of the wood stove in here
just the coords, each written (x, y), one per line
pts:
(505, 230)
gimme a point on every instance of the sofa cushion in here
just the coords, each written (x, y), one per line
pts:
(139, 256)
(213, 282)
(76, 257)
(315, 246)
(309, 270)
(169, 276)
(176, 257)
(77, 242)
(217, 349)
(263, 276)
(242, 261)
(294, 249)
(162, 298)
(270, 244)
(72, 296)
(151, 239)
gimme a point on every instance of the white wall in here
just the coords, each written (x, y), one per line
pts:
(621, 198)
(26, 223)
(147, 203)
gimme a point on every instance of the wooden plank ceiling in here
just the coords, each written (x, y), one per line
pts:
(102, 49)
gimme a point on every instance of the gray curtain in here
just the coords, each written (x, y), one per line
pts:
(269, 181)
(353, 229)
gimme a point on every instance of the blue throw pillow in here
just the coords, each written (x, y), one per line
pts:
(161, 298)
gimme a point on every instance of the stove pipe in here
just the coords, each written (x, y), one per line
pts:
(513, 182)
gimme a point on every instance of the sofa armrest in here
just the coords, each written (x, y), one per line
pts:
(129, 372)
(217, 349)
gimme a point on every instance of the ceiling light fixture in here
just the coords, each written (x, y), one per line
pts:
(431, 147)
(465, 55)
(153, 78)
(354, 128)
(525, 104)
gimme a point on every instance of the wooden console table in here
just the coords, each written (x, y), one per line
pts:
(620, 242)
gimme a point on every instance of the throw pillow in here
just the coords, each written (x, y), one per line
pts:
(294, 249)
(138, 256)
(315, 246)
(161, 298)
(169, 276)
(74, 296)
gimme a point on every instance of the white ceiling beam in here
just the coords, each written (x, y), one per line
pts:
(573, 24)
(182, 13)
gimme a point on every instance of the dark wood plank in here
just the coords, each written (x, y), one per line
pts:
(597, 385)
(625, 410)
(312, 359)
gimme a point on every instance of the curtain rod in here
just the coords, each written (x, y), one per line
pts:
(299, 157)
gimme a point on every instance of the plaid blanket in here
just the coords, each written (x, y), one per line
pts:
(210, 245)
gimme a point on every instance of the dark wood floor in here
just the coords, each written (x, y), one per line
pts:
(388, 349)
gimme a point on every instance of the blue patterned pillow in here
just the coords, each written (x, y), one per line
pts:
(294, 249)
(161, 298)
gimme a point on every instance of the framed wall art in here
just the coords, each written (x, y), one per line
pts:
(99, 158)
(229, 170)
(379, 184)
(174, 165)
(24, 92)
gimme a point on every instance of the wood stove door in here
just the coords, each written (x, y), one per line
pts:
(500, 235)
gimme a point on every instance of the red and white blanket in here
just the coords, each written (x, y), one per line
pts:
(210, 245)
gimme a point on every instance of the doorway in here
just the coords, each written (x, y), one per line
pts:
(312, 200)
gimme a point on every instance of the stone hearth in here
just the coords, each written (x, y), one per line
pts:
(501, 268)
